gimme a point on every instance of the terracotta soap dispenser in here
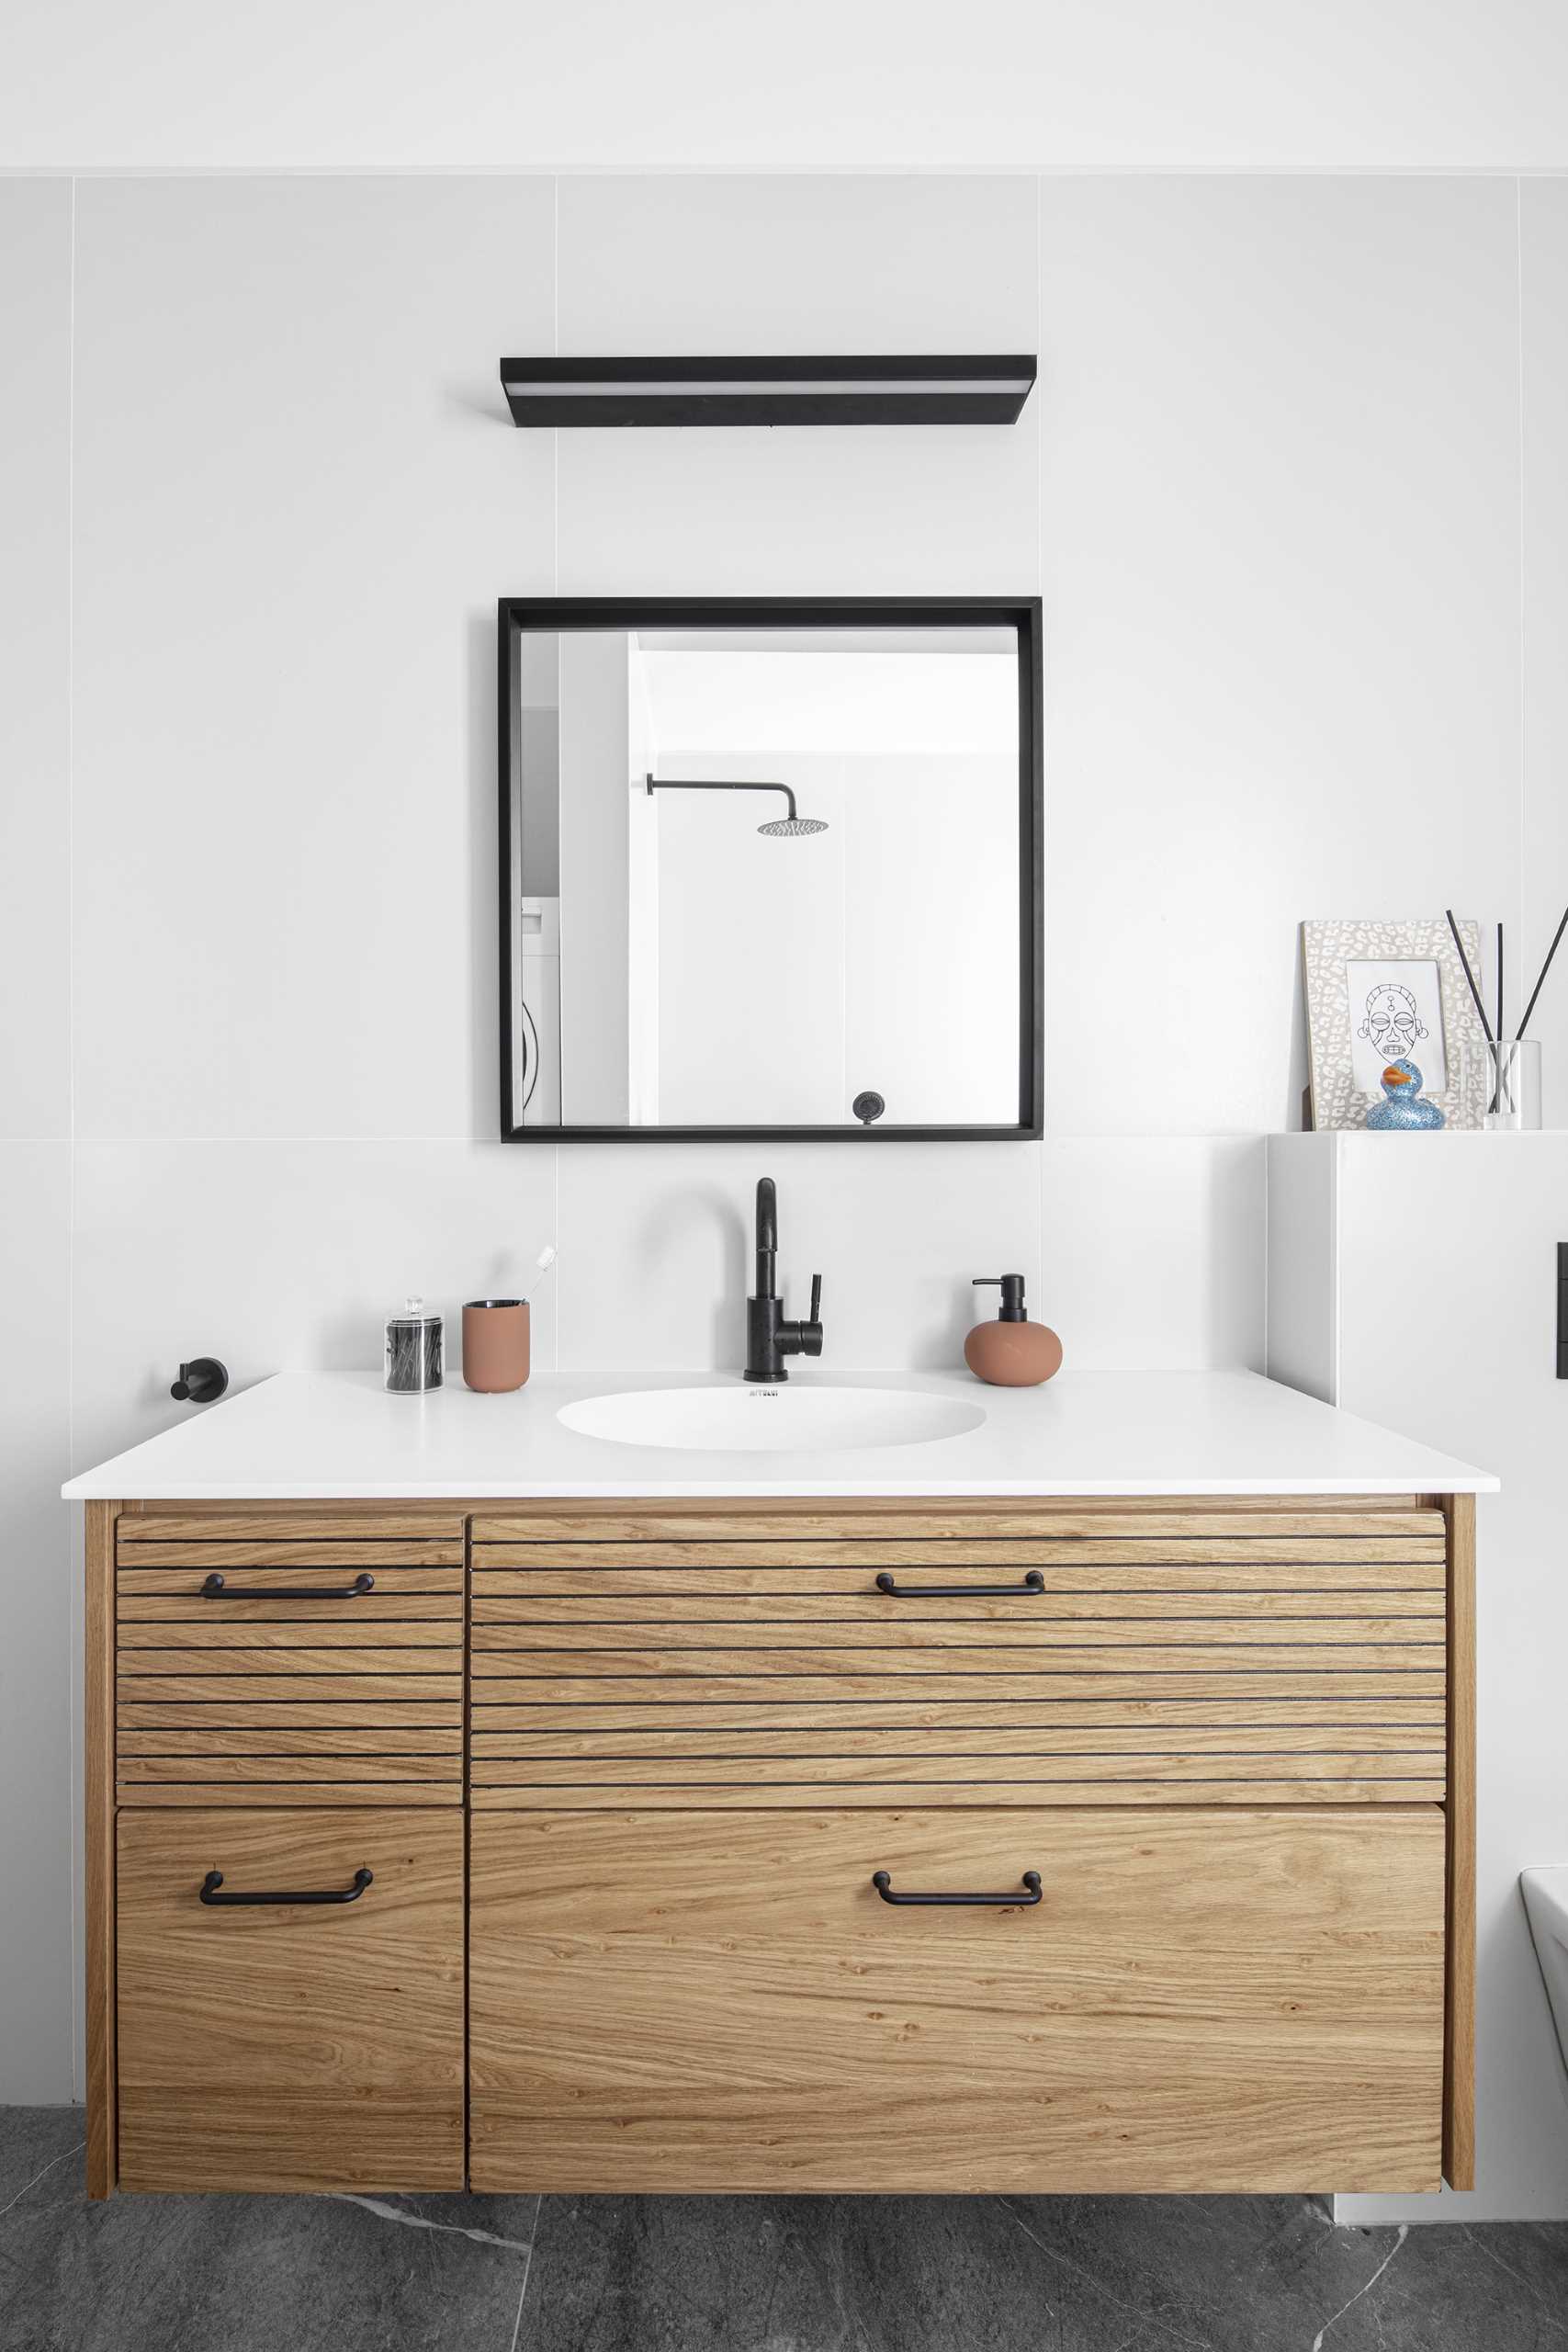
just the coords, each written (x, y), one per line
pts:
(1011, 1352)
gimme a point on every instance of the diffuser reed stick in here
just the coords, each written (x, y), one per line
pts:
(1545, 967)
(1469, 976)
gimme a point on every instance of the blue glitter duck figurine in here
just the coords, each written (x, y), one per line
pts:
(1401, 1106)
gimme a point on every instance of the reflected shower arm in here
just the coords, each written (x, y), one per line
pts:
(693, 783)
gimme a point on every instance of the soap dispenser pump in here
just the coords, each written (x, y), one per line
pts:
(1011, 1352)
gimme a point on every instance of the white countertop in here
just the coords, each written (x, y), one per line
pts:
(313, 1435)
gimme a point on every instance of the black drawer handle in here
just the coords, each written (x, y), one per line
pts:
(214, 1879)
(1033, 1582)
(883, 1886)
(215, 1589)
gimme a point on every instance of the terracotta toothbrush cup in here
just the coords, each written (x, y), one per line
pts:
(495, 1344)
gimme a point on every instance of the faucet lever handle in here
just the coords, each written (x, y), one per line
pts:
(815, 1315)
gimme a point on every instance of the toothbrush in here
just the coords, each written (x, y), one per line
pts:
(542, 1263)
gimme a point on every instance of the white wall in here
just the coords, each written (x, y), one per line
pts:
(597, 751)
(1268, 490)
(838, 85)
(751, 945)
(35, 1814)
(1281, 517)
(795, 975)
(792, 975)
(1443, 1292)
(1544, 502)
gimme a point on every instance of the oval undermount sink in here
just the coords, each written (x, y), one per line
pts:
(771, 1420)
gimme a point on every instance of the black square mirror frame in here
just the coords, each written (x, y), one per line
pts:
(519, 615)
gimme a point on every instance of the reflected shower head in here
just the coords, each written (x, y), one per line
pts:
(791, 825)
(780, 827)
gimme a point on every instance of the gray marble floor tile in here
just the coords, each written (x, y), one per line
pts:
(666, 2274)
(1501, 2287)
(1225, 2273)
(810, 2275)
(1234, 2274)
(32, 2139)
(254, 2274)
(1030, 2275)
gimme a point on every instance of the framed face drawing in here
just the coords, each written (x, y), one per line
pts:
(1379, 992)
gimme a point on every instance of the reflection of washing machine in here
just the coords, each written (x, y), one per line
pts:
(540, 969)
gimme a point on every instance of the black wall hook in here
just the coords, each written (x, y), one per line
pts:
(201, 1382)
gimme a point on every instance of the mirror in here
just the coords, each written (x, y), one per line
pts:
(770, 870)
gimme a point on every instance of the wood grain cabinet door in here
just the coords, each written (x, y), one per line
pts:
(290, 2044)
(1198, 1999)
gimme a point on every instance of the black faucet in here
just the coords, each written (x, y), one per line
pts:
(768, 1339)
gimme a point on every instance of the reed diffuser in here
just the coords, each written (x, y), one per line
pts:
(1513, 1064)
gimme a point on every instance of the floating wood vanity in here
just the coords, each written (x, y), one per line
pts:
(614, 1843)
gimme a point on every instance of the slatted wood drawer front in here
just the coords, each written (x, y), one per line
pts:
(717, 2002)
(1050, 1655)
(255, 1661)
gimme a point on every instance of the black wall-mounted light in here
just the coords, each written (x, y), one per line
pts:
(955, 389)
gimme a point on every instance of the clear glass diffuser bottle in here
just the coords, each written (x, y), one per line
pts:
(1513, 1085)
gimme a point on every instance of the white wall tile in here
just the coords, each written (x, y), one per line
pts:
(1543, 278)
(35, 658)
(1280, 525)
(736, 266)
(298, 496)
(37, 1815)
(1139, 1253)
(828, 512)
(285, 1255)
(656, 1247)
(1152, 1251)
(744, 265)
